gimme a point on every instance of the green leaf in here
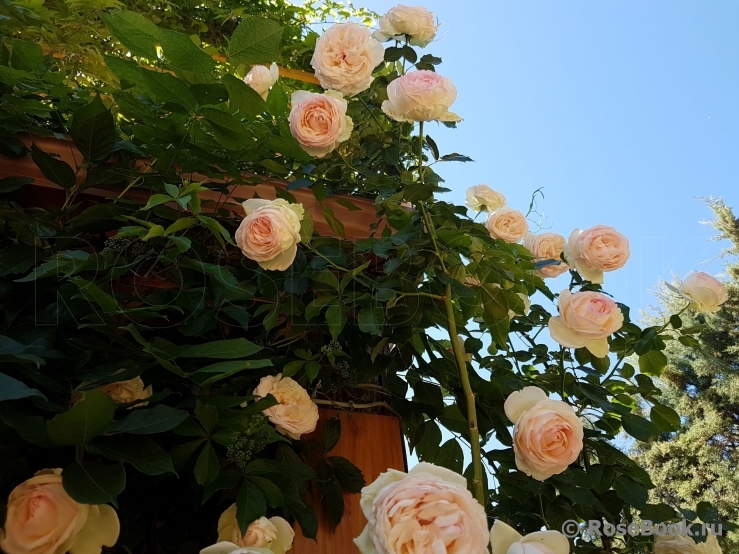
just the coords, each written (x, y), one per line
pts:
(221, 349)
(207, 467)
(242, 97)
(428, 447)
(215, 372)
(26, 56)
(226, 480)
(133, 31)
(11, 184)
(255, 40)
(652, 363)
(428, 394)
(18, 258)
(665, 418)
(277, 101)
(92, 292)
(12, 389)
(207, 415)
(657, 513)
(336, 319)
(93, 130)
(84, 421)
(271, 492)
(349, 475)
(450, 456)
(182, 53)
(168, 88)
(639, 428)
(143, 454)
(371, 320)
(630, 491)
(227, 131)
(331, 434)
(148, 421)
(125, 70)
(94, 483)
(54, 170)
(494, 301)
(707, 513)
(250, 505)
(333, 222)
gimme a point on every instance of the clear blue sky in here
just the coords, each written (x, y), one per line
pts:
(623, 111)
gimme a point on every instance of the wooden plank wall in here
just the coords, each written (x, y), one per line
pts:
(374, 444)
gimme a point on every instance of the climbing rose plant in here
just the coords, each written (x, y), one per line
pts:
(165, 350)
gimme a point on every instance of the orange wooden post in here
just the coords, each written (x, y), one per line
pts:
(374, 444)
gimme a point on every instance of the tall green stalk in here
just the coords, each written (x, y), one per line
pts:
(477, 469)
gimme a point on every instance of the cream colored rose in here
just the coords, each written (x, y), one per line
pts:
(547, 434)
(482, 197)
(547, 246)
(345, 57)
(428, 510)
(595, 250)
(296, 414)
(416, 22)
(319, 121)
(231, 548)
(274, 534)
(681, 544)
(420, 96)
(261, 78)
(124, 392)
(705, 294)
(504, 539)
(586, 319)
(43, 519)
(270, 232)
(507, 224)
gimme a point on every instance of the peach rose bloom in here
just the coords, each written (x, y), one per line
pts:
(586, 320)
(261, 78)
(43, 519)
(595, 250)
(420, 96)
(504, 539)
(508, 225)
(345, 57)
(401, 21)
(482, 197)
(270, 232)
(274, 534)
(319, 121)
(428, 510)
(547, 434)
(705, 294)
(131, 390)
(547, 246)
(296, 414)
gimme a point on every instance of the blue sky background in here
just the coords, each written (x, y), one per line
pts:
(624, 112)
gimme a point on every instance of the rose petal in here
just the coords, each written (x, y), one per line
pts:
(598, 348)
(564, 335)
(502, 536)
(553, 540)
(101, 529)
(441, 472)
(520, 401)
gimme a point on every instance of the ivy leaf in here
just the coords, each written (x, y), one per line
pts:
(331, 434)
(93, 130)
(333, 222)
(255, 40)
(168, 88)
(149, 421)
(56, 171)
(12, 389)
(450, 456)
(182, 53)
(371, 320)
(349, 475)
(143, 454)
(84, 421)
(250, 505)
(336, 319)
(242, 97)
(26, 56)
(220, 349)
(133, 31)
(207, 466)
(94, 483)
